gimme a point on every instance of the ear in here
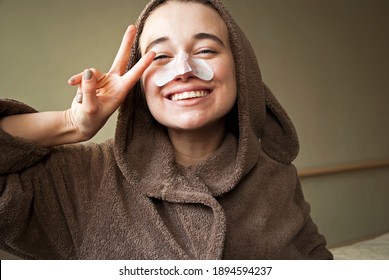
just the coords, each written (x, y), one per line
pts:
(279, 139)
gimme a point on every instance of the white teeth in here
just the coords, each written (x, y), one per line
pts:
(188, 95)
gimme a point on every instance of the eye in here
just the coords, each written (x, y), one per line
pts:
(161, 57)
(206, 51)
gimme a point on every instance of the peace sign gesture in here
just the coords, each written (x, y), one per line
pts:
(100, 94)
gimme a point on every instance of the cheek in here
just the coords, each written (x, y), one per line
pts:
(225, 75)
(149, 89)
(224, 69)
(148, 82)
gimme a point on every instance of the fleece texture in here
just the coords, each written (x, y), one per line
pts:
(128, 199)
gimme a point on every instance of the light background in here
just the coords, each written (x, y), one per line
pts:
(326, 61)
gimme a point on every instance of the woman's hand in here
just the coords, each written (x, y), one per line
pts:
(100, 94)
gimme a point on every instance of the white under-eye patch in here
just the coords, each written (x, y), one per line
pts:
(180, 65)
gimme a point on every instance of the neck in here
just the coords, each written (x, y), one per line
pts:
(191, 147)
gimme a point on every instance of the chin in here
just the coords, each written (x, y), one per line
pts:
(187, 127)
(195, 125)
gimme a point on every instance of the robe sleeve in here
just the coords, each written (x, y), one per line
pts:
(16, 153)
(309, 242)
(44, 193)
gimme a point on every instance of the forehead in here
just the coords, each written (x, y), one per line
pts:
(181, 20)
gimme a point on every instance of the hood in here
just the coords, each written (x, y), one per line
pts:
(143, 149)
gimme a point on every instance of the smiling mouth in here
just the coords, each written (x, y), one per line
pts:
(189, 95)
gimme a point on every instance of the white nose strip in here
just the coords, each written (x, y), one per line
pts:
(180, 65)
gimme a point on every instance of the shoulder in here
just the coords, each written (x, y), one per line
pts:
(90, 153)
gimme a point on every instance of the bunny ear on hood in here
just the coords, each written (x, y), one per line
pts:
(258, 109)
(262, 122)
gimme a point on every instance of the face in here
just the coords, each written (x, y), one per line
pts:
(199, 31)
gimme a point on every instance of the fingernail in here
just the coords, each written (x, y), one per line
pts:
(79, 97)
(72, 80)
(88, 74)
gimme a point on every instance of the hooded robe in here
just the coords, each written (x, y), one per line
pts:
(127, 198)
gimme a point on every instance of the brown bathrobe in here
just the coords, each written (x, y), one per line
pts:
(128, 199)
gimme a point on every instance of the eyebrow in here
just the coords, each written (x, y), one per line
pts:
(156, 42)
(198, 36)
(205, 36)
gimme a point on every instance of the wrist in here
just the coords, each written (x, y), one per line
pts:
(71, 130)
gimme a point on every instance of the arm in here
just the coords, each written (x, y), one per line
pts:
(102, 94)
(310, 243)
(44, 128)
(44, 208)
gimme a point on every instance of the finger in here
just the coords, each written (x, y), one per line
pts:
(134, 74)
(79, 95)
(88, 89)
(75, 79)
(120, 63)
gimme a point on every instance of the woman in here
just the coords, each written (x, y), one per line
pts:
(200, 167)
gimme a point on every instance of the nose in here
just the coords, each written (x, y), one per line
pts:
(183, 69)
